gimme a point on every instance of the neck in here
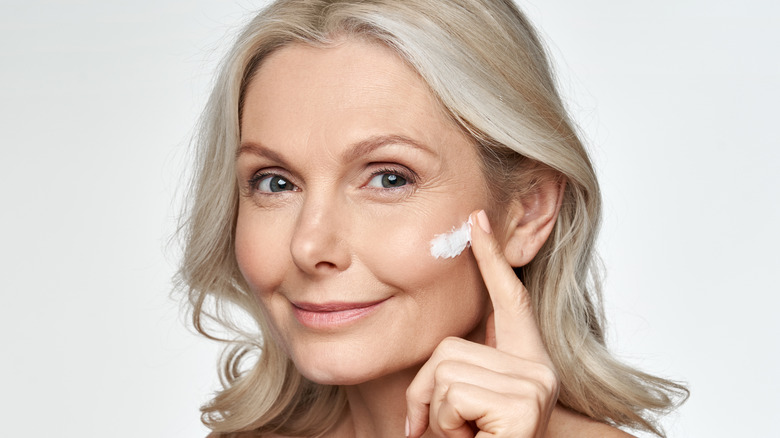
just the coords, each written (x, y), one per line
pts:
(378, 408)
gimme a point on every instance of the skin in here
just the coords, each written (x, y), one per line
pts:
(452, 345)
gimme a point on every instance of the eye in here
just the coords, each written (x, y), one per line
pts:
(387, 180)
(271, 183)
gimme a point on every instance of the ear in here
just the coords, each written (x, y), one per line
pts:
(531, 219)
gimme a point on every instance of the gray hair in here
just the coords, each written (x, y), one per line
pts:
(485, 64)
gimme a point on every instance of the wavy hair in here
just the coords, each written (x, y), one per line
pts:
(487, 67)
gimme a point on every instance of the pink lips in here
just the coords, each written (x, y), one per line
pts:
(333, 314)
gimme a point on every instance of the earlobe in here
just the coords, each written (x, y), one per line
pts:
(531, 219)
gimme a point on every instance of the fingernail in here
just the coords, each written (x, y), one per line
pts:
(407, 428)
(483, 221)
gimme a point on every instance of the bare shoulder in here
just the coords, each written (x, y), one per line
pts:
(565, 423)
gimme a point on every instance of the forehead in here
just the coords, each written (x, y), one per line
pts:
(341, 93)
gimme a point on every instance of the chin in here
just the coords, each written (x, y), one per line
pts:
(325, 377)
(340, 374)
(334, 367)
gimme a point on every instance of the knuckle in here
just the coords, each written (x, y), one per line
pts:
(448, 347)
(548, 378)
(528, 389)
(525, 413)
(541, 393)
(446, 371)
(456, 391)
(539, 386)
(451, 342)
(412, 393)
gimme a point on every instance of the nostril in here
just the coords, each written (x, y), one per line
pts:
(325, 265)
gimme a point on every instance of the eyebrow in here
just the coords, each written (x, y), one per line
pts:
(355, 151)
(254, 148)
(365, 147)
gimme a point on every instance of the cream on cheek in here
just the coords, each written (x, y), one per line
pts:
(452, 244)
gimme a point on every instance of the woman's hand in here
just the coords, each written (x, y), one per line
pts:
(505, 388)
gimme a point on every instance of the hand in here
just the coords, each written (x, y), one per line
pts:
(505, 388)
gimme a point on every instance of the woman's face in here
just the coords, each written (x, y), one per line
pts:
(348, 168)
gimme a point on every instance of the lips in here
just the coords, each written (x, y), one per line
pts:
(333, 314)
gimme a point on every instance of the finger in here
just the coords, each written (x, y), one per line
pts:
(517, 376)
(447, 421)
(418, 399)
(494, 414)
(450, 362)
(450, 373)
(419, 394)
(515, 327)
(443, 420)
(458, 406)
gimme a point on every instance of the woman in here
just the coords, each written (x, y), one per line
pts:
(340, 139)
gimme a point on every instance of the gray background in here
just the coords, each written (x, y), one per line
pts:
(677, 99)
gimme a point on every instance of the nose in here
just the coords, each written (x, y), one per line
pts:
(319, 245)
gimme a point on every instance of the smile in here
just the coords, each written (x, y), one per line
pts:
(333, 314)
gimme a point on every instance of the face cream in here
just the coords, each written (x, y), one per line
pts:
(450, 245)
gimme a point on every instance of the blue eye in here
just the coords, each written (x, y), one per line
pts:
(273, 184)
(387, 181)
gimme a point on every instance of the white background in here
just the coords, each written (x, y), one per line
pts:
(677, 99)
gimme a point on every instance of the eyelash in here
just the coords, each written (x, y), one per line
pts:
(253, 182)
(408, 175)
(256, 178)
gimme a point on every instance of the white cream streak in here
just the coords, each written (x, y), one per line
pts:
(450, 245)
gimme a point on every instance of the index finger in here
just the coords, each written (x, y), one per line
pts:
(516, 330)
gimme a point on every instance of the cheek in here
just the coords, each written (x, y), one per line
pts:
(261, 252)
(402, 258)
(401, 254)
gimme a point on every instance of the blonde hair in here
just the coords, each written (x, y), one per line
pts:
(485, 64)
